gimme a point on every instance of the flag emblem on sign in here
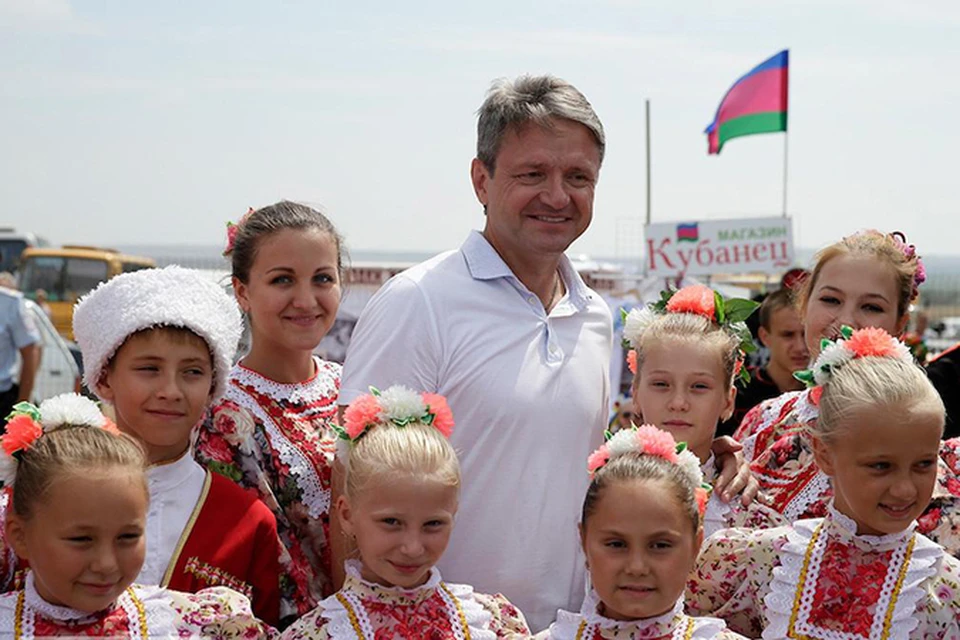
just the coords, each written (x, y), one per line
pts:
(688, 232)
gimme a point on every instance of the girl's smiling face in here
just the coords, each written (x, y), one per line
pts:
(855, 291)
(882, 462)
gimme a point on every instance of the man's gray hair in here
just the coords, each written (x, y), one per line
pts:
(514, 103)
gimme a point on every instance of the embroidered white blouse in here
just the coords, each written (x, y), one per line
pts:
(139, 613)
(590, 625)
(363, 610)
(819, 579)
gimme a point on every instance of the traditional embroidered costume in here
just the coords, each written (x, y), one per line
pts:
(275, 439)
(589, 624)
(363, 610)
(819, 579)
(139, 613)
(783, 464)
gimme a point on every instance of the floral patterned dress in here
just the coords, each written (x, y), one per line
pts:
(140, 612)
(783, 463)
(435, 611)
(274, 439)
(819, 579)
(673, 625)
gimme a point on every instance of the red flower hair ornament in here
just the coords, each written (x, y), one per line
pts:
(27, 423)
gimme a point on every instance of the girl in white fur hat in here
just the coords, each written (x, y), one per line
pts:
(157, 344)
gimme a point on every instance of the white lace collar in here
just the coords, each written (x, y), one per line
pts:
(899, 564)
(165, 476)
(353, 567)
(321, 384)
(35, 601)
(847, 528)
(589, 621)
(347, 618)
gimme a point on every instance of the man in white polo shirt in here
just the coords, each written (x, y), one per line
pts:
(506, 329)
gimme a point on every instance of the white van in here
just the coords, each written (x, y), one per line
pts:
(12, 244)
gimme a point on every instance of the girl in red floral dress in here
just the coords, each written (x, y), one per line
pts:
(861, 571)
(400, 497)
(686, 352)
(641, 528)
(271, 432)
(78, 517)
(868, 279)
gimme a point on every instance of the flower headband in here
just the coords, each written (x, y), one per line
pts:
(910, 252)
(650, 441)
(233, 230)
(728, 313)
(398, 406)
(27, 422)
(861, 343)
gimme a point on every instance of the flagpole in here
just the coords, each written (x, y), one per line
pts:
(785, 139)
(647, 110)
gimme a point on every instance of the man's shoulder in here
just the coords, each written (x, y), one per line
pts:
(10, 296)
(436, 277)
(443, 265)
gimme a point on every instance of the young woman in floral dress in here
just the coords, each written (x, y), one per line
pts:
(271, 432)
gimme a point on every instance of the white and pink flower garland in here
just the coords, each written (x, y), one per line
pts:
(648, 440)
(397, 406)
(860, 343)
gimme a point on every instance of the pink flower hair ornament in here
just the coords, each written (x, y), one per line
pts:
(852, 344)
(648, 440)
(728, 313)
(397, 406)
(910, 253)
(233, 230)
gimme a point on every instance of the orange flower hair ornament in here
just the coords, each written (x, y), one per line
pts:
(648, 440)
(397, 406)
(27, 423)
(728, 313)
(852, 344)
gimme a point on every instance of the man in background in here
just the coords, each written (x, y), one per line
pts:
(781, 332)
(18, 335)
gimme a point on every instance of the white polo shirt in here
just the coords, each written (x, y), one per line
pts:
(529, 393)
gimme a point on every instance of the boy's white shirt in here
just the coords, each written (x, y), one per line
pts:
(175, 489)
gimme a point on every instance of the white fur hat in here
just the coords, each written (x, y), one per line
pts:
(172, 297)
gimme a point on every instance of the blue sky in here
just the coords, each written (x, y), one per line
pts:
(135, 123)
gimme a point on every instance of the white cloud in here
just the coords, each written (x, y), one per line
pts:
(43, 16)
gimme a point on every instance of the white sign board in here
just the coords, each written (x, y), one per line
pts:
(743, 245)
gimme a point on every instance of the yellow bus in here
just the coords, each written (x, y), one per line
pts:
(67, 273)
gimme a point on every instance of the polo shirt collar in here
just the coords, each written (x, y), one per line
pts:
(484, 263)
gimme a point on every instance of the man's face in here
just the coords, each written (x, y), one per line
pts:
(784, 338)
(539, 198)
